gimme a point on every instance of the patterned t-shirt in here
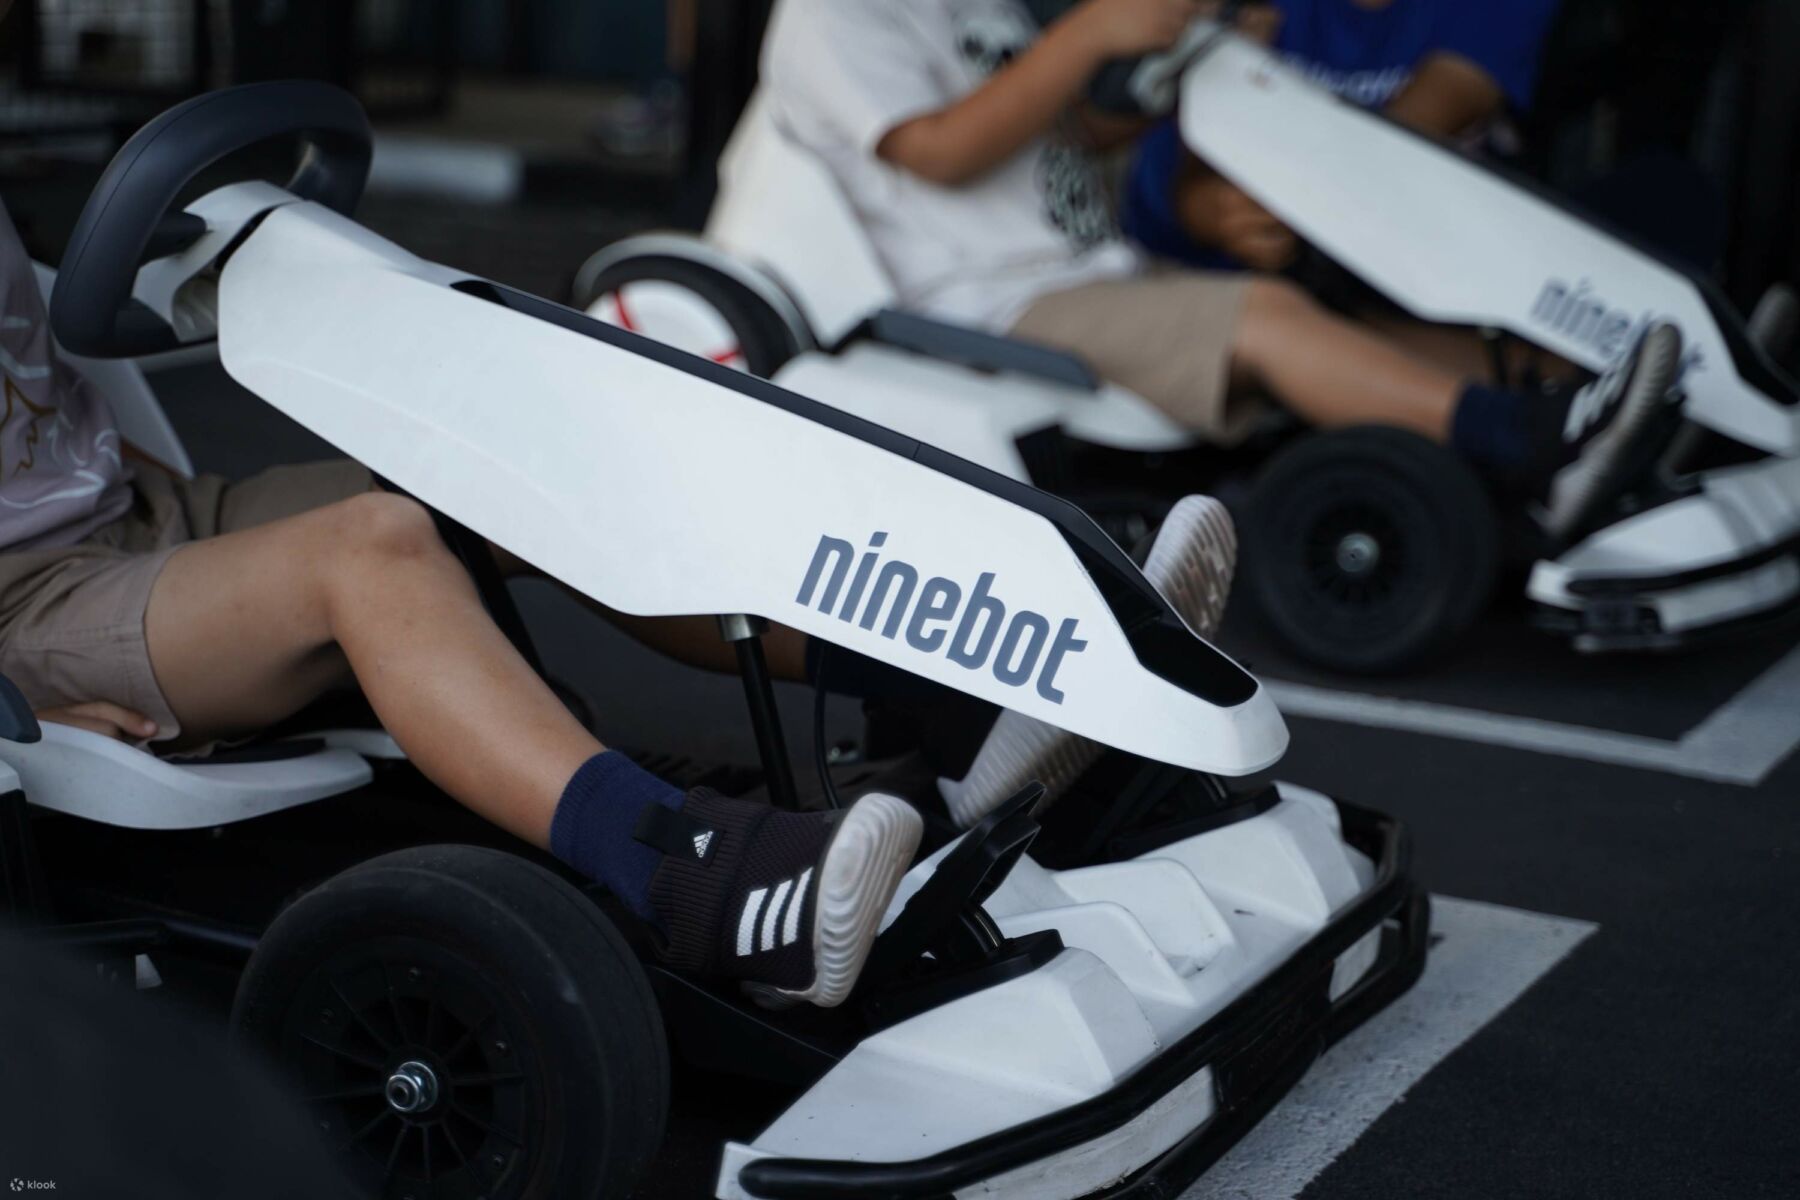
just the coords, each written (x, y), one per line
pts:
(61, 471)
(840, 74)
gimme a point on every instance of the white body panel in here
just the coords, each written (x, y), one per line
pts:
(975, 415)
(1154, 949)
(659, 492)
(1739, 512)
(1448, 240)
(103, 779)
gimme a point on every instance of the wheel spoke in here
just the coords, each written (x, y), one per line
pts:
(356, 1015)
(425, 1144)
(394, 1154)
(455, 1146)
(393, 1002)
(486, 1080)
(355, 1092)
(486, 1128)
(461, 1043)
(361, 1060)
(369, 1127)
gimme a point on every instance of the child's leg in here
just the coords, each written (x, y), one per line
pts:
(364, 586)
(1331, 372)
(245, 628)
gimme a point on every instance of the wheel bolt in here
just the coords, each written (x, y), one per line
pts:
(498, 1161)
(500, 1047)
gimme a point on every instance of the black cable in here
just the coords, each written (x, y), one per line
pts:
(819, 755)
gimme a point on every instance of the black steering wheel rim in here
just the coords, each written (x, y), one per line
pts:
(91, 310)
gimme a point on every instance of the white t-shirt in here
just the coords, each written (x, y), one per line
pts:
(839, 74)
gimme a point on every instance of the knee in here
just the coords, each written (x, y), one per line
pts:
(1271, 299)
(382, 527)
(1276, 315)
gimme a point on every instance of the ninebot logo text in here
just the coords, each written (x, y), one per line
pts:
(971, 627)
(1577, 313)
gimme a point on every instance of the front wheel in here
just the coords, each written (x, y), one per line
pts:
(1369, 550)
(462, 1023)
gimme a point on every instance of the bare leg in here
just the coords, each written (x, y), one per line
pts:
(1332, 372)
(364, 588)
(1462, 350)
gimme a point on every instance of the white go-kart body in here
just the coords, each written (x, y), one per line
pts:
(1447, 239)
(660, 484)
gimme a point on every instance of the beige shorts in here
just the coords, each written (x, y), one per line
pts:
(72, 619)
(1166, 336)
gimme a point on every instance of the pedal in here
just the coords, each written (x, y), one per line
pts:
(944, 944)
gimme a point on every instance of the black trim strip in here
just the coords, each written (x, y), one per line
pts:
(1574, 626)
(1157, 636)
(1266, 1011)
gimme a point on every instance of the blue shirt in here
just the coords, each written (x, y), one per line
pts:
(1364, 55)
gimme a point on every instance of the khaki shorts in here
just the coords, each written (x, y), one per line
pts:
(1166, 336)
(72, 619)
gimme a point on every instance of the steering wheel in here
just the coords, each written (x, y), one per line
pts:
(130, 217)
(1148, 85)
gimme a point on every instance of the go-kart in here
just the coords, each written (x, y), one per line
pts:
(1096, 1001)
(1366, 550)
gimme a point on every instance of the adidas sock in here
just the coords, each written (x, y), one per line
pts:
(1490, 428)
(596, 821)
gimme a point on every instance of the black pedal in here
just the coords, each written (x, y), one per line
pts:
(945, 920)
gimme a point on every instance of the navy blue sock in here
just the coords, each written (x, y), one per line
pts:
(1491, 428)
(595, 819)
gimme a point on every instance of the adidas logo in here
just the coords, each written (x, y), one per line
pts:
(702, 843)
(771, 917)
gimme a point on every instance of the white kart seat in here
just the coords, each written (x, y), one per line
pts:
(88, 775)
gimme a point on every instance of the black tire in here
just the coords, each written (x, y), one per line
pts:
(764, 338)
(536, 1022)
(1369, 550)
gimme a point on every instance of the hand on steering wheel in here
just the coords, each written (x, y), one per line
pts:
(1133, 28)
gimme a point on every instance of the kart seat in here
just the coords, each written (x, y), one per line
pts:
(71, 770)
(89, 775)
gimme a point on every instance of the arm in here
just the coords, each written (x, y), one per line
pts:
(1448, 96)
(1024, 99)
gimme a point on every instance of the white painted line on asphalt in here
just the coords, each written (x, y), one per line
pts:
(1740, 742)
(1486, 959)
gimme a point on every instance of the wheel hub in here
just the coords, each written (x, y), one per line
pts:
(412, 1088)
(1358, 554)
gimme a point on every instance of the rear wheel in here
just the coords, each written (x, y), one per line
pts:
(693, 308)
(1368, 550)
(463, 1024)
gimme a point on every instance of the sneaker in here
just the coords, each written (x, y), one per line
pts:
(1191, 565)
(787, 903)
(1607, 427)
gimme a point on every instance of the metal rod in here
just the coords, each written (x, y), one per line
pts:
(745, 635)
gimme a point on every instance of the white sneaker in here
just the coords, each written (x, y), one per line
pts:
(1191, 565)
